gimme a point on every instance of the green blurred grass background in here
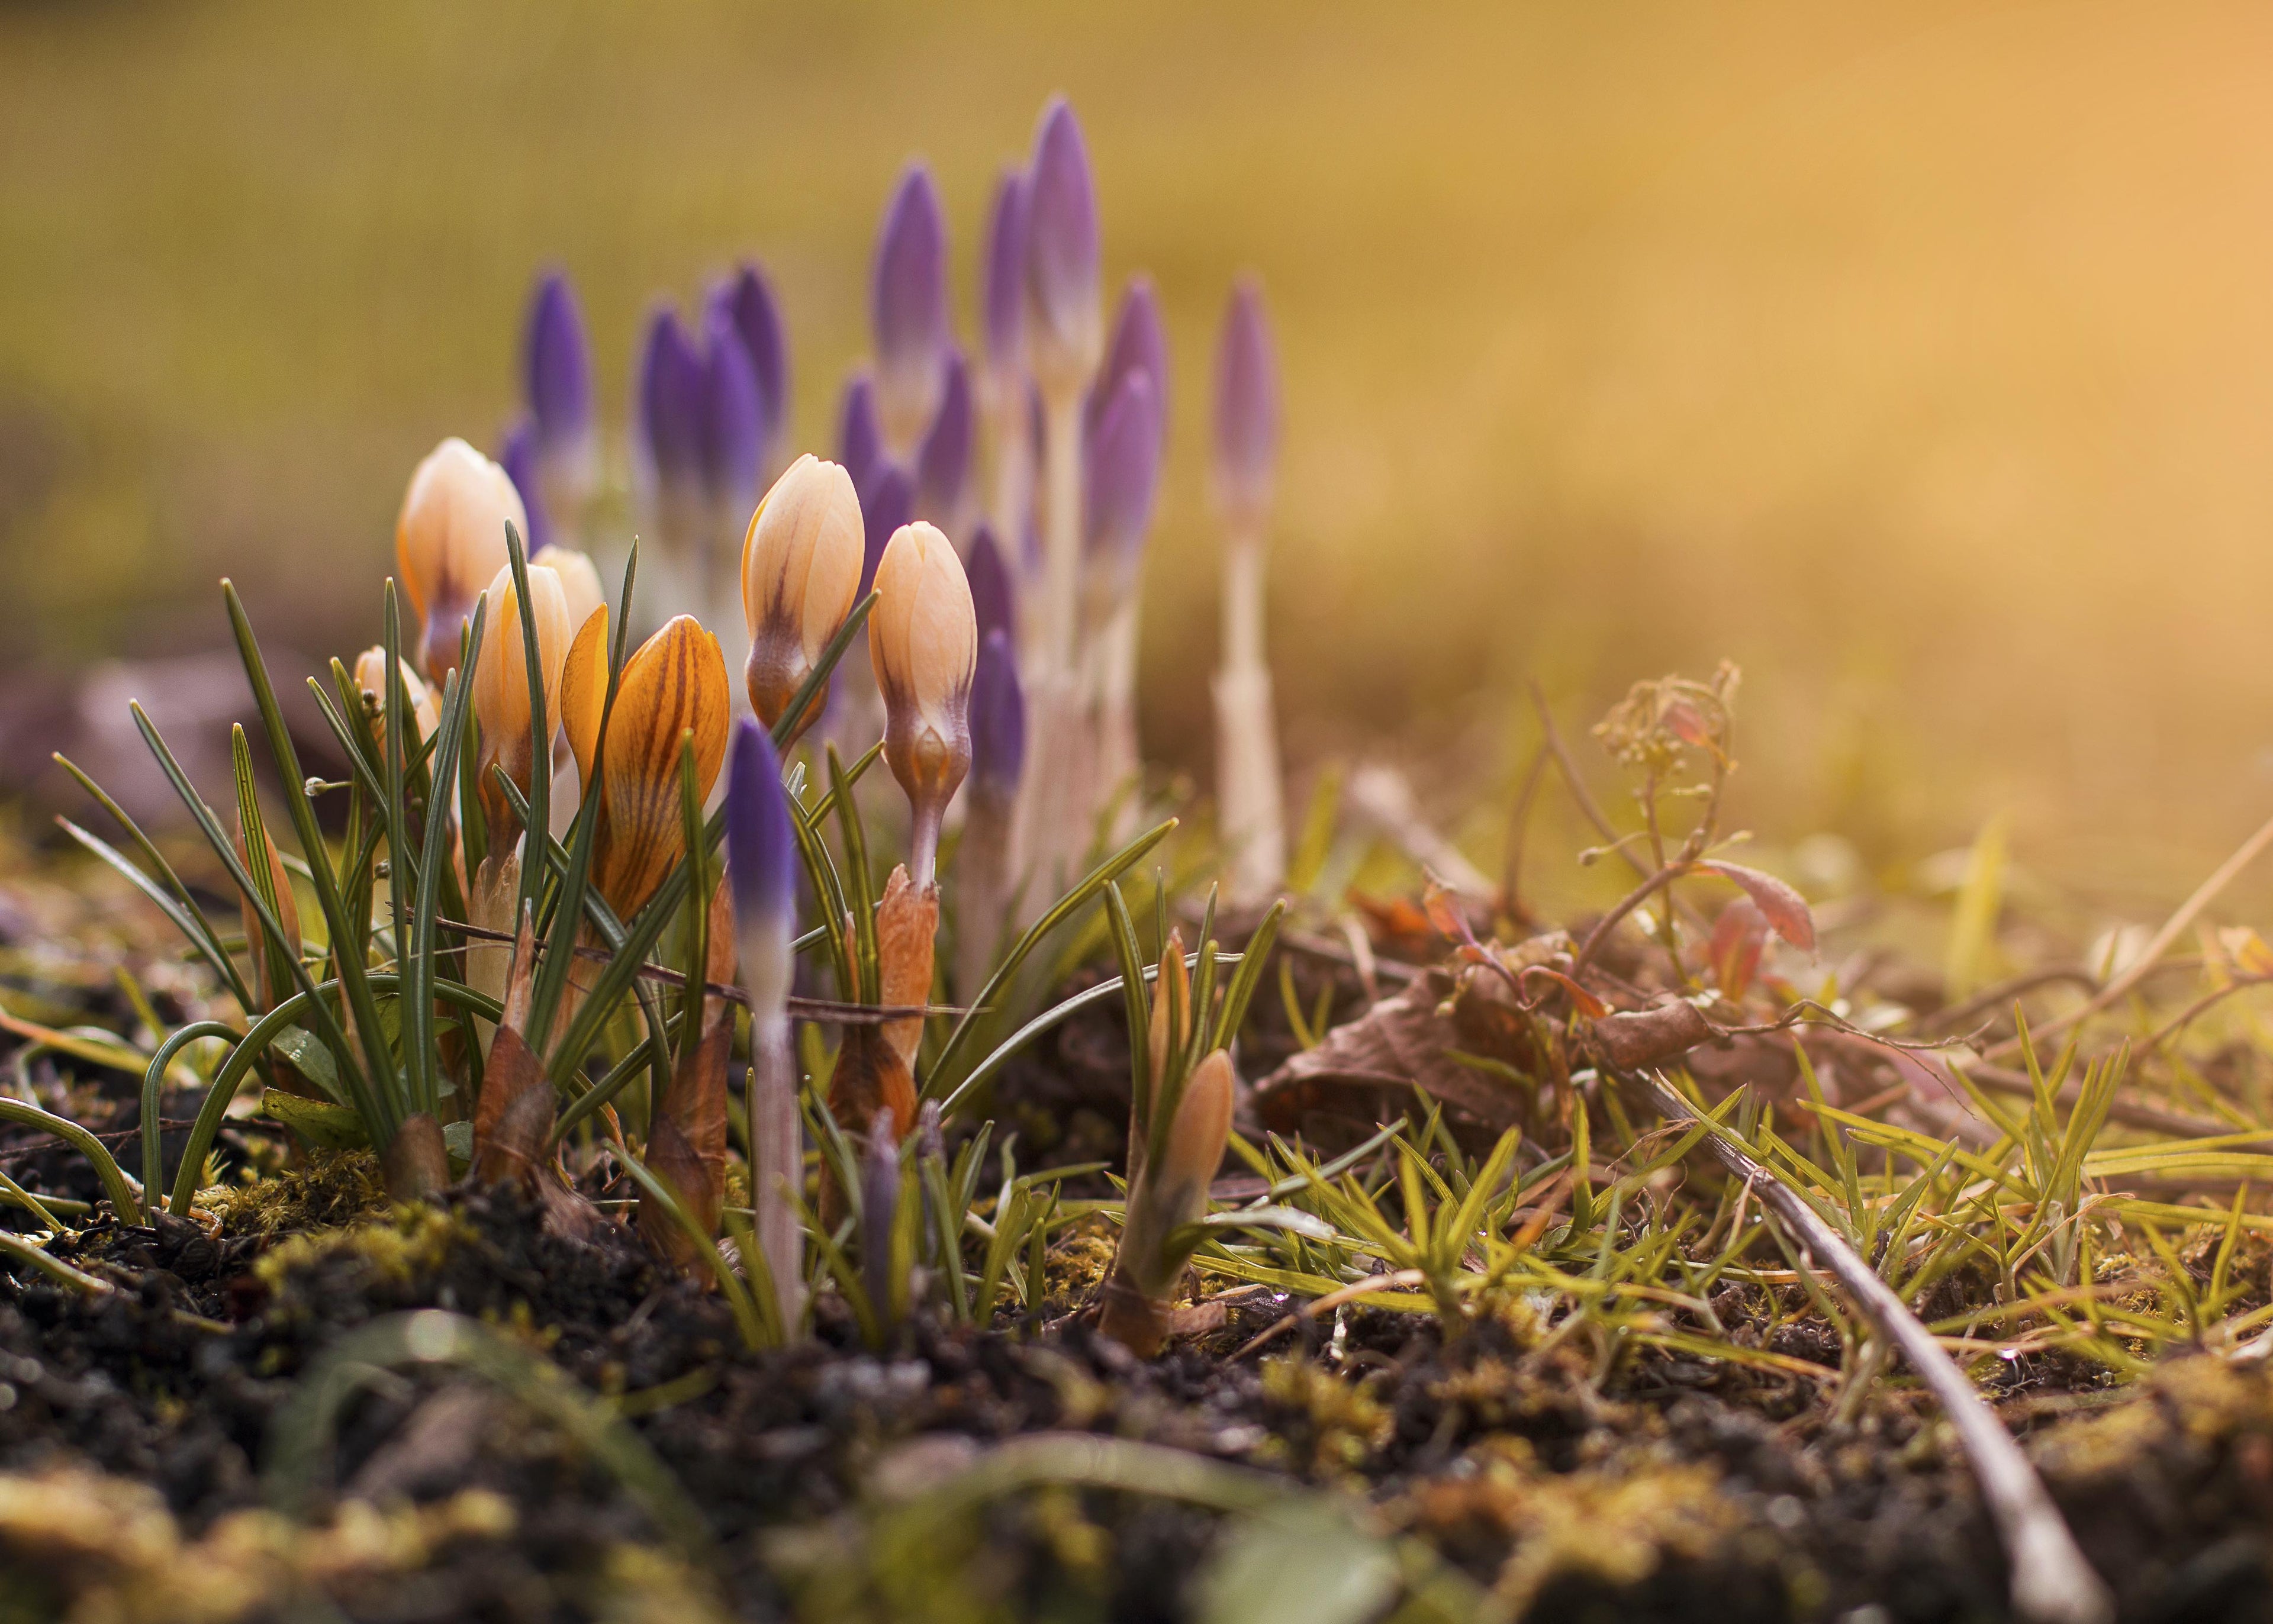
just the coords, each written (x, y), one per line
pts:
(1918, 358)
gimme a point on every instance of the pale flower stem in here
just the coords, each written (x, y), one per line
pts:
(1014, 469)
(1249, 790)
(1054, 792)
(1118, 757)
(776, 1159)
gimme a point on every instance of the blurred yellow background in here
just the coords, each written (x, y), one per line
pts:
(1920, 358)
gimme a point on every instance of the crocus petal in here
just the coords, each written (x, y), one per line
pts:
(908, 304)
(860, 441)
(1061, 250)
(748, 297)
(762, 865)
(675, 684)
(1246, 404)
(580, 581)
(517, 456)
(994, 598)
(1140, 344)
(669, 411)
(734, 422)
(943, 463)
(1003, 295)
(923, 641)
(1123, 471)
(557, 369)
(449, 542)
(998, 718)
(802, 559)
(887, 502)
(584, 690)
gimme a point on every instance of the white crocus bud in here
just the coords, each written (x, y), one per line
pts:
(501, 685)
(924, 640)
(800, 573)
(449, 541)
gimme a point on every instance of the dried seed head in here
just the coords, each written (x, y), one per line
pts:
(923, 639)
(449, 542)
(801, 567)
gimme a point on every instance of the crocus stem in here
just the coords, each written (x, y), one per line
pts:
(1248, 787)
(1055, 793)
(777, 1158)
(1117, 762)
(1014, 463)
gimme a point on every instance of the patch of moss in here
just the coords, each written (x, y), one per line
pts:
(1329, 1425)
(331, 1189)
(411, 1242)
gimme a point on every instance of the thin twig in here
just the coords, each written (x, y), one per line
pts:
(1518, 825)
(2174, 927)
(2052, 1584)
(1579, 793)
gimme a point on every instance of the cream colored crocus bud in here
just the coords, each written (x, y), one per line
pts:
(579, 581)
(800, 573)
(449, 541)
(370, 677)
(501, 687)
(923, 638)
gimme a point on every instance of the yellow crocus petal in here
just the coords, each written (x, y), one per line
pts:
(501, 680)
(675, 684)
(449, 539)
(584, 690)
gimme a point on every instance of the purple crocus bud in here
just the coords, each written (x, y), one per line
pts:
(1246, 406)
(993, 599)
(762, 865)
(1003, 314)
(518, 457)
(1062, 255)
(670, 405)
(943, 461)
(908, 304)
(733, 421)
(1139, 343)
(860, 441)
(749, 296)
(998, 719)
(1123, 468)
(887, 503)
(557, 369)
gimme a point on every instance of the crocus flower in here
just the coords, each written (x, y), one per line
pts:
(733, 418)
(1167, 1196)
(1246, 408)
(994, 598)
(749, 299)
(923, 639)
(1061, 254)
(1003, 311)
(860, 441)
(1124, 475)
(887, 502)
(944, 460)
(674, 684)
(517, 456)
(371, 680)
(579, 581)
(669, 427)
(998, 719)
(501, 687)
(1140, 344)
(556, 373)
(802, 561)
(762, 867)
(908, 305)
(449, 542)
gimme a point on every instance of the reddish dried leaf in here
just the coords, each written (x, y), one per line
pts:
(1640, 1037)
(1739, 936)
(1584, 1002)
(1785, 908)
(1444, 910)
